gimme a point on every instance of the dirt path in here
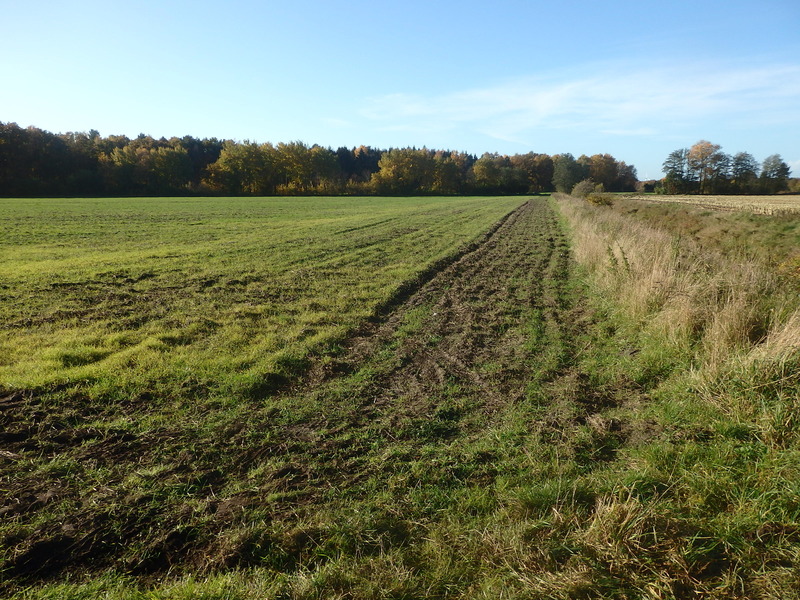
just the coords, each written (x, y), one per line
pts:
(461, 349)
(466, 320)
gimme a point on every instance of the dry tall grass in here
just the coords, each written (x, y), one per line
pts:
(722, 333)
(718, 309)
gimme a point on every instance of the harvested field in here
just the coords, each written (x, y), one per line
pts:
(761, 205)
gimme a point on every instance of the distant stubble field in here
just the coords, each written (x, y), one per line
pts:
(764, 205)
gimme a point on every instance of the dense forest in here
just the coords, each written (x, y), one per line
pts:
(706, 169)
(34, 162)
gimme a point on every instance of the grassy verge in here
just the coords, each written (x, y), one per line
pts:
(712, 337)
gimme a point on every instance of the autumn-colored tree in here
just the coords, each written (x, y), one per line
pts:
(487, 172)
(448, 177)
(303, 169)
(614, 175)
(537, 168)
(36, 162)
(709, 164)
(405, 171)
(244, 168)
(170, 168)
(498, 174)
(604, 169)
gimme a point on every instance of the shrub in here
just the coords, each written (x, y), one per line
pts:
(586, 187)
(600, 199)
(592, 192)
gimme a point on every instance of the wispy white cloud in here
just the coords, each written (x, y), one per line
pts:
(614, 100)
(641, 131)
(336, 122)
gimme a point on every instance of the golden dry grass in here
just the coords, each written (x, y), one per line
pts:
(690, 296)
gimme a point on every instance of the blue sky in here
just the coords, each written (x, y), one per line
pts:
(634, 79)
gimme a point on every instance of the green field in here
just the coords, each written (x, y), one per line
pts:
(354, 398)
(220, 295)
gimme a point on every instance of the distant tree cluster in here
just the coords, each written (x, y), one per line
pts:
(601, 170)
(705, 169)
(34, 162)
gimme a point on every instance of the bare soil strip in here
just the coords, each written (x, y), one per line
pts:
(469, 318)
(466, 344)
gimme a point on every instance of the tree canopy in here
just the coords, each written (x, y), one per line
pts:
(705, 169)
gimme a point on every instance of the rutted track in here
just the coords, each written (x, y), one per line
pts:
(468, 318)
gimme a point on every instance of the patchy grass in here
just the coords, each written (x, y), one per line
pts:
(128, 297)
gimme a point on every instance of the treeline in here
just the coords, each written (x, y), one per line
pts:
(34, 162)
(705, 169)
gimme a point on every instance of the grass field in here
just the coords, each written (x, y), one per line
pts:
(162, 296)
(397, 398)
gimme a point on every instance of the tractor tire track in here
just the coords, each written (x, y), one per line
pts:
(472, 313)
